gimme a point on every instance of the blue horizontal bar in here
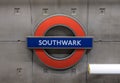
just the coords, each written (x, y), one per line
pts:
(59, 42)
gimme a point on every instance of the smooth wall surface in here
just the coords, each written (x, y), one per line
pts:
(19, 19)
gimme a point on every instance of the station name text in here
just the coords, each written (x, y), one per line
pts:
(60, 42)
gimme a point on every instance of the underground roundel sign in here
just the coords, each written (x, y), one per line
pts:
(59, 42)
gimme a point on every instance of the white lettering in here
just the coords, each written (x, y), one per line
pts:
(79, 42)
(40, 42)
(53, 42)
(74, 42)
(50, 43)
(44, 42)
(60, 42)
(64, 42)
(70, 42)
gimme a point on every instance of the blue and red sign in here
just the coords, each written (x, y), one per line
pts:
(79, 42)
(59, 42)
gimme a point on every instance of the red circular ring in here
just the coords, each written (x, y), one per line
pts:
(74, 26)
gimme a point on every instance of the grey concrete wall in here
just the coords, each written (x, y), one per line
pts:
(15, 58)
(19, 18)
(104, 25)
